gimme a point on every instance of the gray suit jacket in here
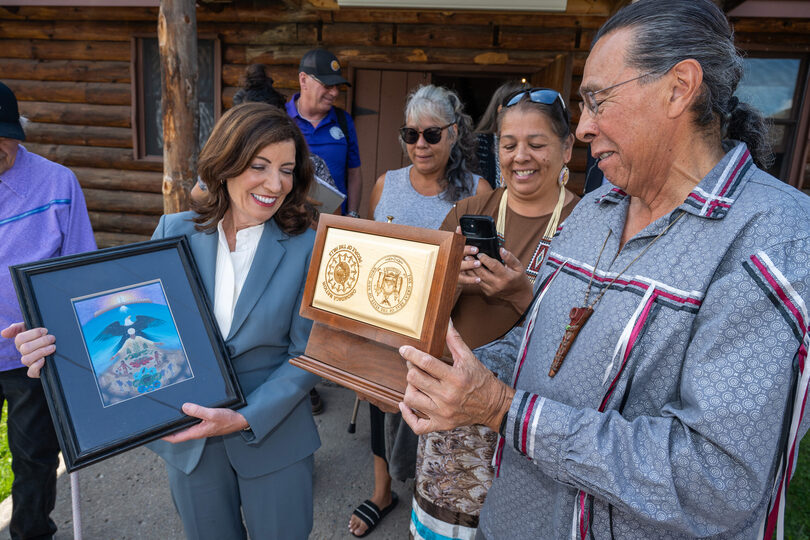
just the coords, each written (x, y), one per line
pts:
(266, 332)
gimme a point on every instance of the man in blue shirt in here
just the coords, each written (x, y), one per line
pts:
(329, 131)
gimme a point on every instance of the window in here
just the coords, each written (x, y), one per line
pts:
(148, 122)
(774, 86)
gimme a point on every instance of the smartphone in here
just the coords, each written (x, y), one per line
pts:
(480, 232)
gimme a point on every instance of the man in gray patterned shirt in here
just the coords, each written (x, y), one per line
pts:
(674, 405)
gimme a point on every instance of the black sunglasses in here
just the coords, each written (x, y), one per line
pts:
(432, 135)
(546, 96)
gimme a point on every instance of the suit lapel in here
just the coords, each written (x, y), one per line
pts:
(269, 253)
(204, 248)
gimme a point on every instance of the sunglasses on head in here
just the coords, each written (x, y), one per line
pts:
(432, 135)
(546, 96)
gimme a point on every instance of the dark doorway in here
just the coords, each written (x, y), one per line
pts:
(475, 90)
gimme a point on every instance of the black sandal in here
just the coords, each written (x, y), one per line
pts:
(370, 514)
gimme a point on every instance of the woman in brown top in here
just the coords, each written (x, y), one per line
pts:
(535, 144)
(453, 469)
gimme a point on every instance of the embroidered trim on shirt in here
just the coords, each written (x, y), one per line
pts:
(667, 295)
(791, 306)
(33, 211)
(526, 419)
(716, 204)
(614, 195)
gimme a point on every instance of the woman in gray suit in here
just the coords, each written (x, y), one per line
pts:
(252, 243)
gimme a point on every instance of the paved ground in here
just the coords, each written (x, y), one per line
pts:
(127, 497)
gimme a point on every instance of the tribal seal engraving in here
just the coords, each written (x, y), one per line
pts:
(390, 284)
(342, 270)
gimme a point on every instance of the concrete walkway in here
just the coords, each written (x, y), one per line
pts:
(127, 497)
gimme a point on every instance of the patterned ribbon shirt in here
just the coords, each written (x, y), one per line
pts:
(677, 412)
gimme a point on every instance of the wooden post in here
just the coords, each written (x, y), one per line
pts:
(177, 38)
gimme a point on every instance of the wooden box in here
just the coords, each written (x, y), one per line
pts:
(371, 288)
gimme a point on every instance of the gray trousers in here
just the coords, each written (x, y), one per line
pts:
(276, 505)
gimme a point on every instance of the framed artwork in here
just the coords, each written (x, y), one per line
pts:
(371, 288)
(135, 340)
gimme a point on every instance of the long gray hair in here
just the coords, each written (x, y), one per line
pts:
(444, 104)
(669, 31)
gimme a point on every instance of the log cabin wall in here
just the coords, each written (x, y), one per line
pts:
(71, 69)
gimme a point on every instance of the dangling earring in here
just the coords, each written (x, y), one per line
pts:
(563, 179)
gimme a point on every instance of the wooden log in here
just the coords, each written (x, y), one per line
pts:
(115, 179)
(227, 96)
(366, 34)
(538, 39)
(68, 92)
(108, 239)
(229, 91)
(283, 76)
(123, 223)
(116, 137)
(233, 12)
(446, 18)
(280, 55)
(579, 62)
(75, 31)
(65, 70)
(762, 25)
(773, 42)
(458, 37)
(177, 38)
(284, 33)
(67, 50)
(83, 13)
(94, 156)
(106, 200)
(77, 113)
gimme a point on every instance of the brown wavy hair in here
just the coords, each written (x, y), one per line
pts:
(238, 136)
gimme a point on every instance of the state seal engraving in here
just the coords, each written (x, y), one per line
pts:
(390, 284)
(342, 270)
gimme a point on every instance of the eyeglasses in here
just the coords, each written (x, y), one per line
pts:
(432, 135)
(317, 80)
(589, 99)
(546, 96)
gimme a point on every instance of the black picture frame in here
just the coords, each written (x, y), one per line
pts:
(112, 300)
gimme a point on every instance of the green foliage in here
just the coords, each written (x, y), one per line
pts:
(6, 476)
(797, 512)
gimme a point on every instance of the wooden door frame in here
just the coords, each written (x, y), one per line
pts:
(800, 155)
(528, 70)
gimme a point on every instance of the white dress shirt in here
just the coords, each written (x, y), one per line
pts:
(232, 270)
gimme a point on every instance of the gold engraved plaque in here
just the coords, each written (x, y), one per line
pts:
(390, 284)
(342, 270)
(371, 288)
(393, 277)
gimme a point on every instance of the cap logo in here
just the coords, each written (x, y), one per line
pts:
(335, 66)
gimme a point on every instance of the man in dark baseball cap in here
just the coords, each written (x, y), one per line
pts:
(323, 66)
(10, 126)
(11, 131)
(329, 130)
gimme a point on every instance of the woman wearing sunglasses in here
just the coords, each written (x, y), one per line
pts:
(438, 138)
(454, 468)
